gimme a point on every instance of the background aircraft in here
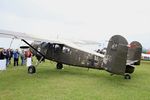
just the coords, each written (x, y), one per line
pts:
(119, 58)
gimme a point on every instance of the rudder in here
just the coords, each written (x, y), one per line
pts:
(116, 55)
(134, 52)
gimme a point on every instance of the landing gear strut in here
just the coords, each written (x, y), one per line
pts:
(59, 66)
(32, 69)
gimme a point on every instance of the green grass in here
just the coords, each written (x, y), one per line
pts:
(73, 83)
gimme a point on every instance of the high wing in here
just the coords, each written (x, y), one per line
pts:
(25, 36)
(20, 35)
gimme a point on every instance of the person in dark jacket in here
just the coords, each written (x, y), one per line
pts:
(22, 56)
(2, 59)
(8, 55)
(3, 54)
(11, 55)
(16, 57)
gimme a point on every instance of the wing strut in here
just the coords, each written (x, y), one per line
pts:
(32, 69)
(11, 42)
(33, 48)
(39, 61)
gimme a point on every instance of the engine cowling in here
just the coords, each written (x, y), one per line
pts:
(40, 47)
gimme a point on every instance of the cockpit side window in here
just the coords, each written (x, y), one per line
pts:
(57, 46)
(66, 50)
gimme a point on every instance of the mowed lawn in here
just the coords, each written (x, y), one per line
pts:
(73, 83)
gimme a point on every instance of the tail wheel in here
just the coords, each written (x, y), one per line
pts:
(31, 69)
(127, 76)
(59, 66)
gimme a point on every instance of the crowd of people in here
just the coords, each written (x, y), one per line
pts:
(8, 54)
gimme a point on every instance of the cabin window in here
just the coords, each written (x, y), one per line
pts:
(88, 56)
(57, 46)
(50, 45)
(96, 58)
(66, 50)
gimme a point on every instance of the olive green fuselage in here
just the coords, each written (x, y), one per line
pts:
(68, 55)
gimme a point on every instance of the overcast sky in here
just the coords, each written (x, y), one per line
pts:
(94, 20)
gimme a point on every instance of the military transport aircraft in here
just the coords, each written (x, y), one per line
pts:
(119, 58)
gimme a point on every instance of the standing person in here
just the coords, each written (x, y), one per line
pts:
(29, 58)
(11, 55)
(2, 60)
(3, 54)
(8, 54)
(16, 57)
(22, 56)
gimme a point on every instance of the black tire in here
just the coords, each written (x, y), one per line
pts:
(59, 66)
(127, 76)
(31, 69)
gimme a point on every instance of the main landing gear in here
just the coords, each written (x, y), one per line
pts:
(32, 69)
(59, 66)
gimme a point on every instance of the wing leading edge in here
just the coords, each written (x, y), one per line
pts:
(25, 36)
(20, 35)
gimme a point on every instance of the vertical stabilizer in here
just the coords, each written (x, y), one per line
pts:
(134, 52)
(116, 55)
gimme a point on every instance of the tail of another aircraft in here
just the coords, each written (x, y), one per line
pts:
(116, 55)
(134, 52)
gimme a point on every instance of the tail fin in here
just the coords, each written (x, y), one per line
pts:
(116, 55)
(134, 52)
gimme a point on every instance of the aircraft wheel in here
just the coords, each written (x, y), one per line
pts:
(59, 66)
(31, 69)
(127, 76)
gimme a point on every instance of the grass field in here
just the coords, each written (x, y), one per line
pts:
(73, 83)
